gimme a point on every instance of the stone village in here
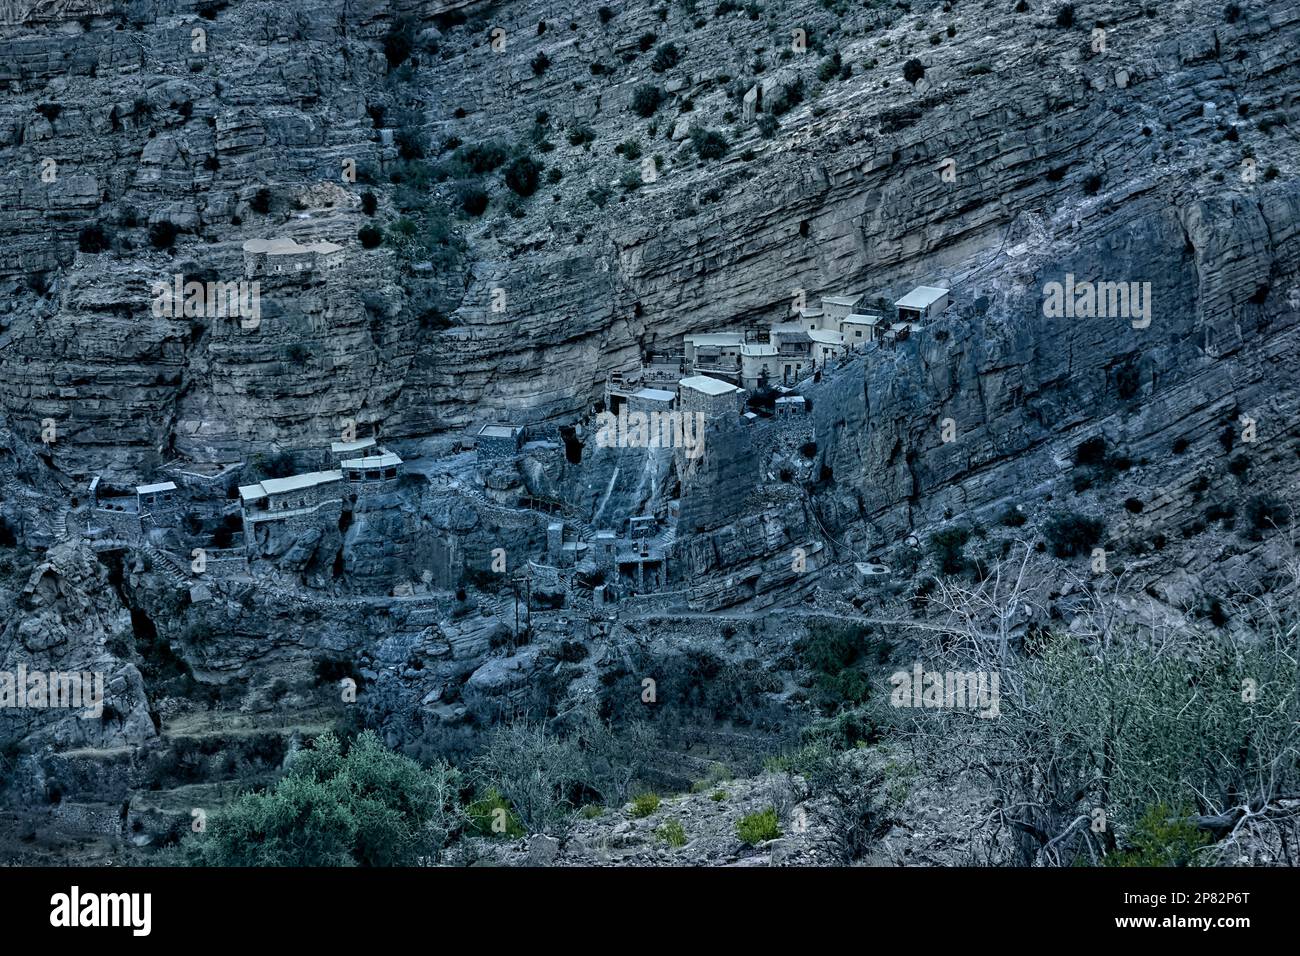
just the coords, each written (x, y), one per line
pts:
(243, 521)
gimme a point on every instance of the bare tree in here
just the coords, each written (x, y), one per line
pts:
(1122, 708)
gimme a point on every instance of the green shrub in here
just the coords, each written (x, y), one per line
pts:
(473, 199)
(1012, 517)
(1071, 534)
(672, 833)
(581, 135)
(1161, 838)
(492, 816)
(646, 99)
(913, 70)
(665, 58)
(709, 144)
(1264, 512)
(523, 175)
(369, 237)
(756, 828)
(480, 158)
(947, 547)
(645, 805)
(540, 63)
(398, 43)
(368, 808)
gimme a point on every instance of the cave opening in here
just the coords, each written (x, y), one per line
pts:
(572, 445)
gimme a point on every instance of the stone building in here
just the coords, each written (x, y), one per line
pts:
(269, 257)
(498, 442)
(340, 451)
(922, 304)
(158, 504)
(790, 406)
(297, 500)
(650, 400)
(372, 470)
(794, 347)
(859, 329)
(714, 353)
(713, 397)
(758, 364)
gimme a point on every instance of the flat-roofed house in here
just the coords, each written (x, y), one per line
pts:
(384, 466)
(758, 364)
(811, 319)
(498, 441)
(288, 256)
(835, 308)
(859, 329)
(825, 344)
(922, 304)
(157, 503)
(713, 352)
(794, 348)
(296, 500)
(790, 406)
(713, 397)
(650, 400)
(275, 495)
(341, 450)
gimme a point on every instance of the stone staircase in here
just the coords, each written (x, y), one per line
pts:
(169, 566)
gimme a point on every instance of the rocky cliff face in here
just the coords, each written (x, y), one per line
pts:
(847, 195)
(529, 198)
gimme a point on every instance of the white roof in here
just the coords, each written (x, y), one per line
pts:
(278, 486)
(716, 338)
(922, 297)
(343, 447)
(791, 399)
(498, 431)
(814, 313)
(707, 385)
(858, 318)
(841, 299)
(654, 395)
(154, 489)
(386, 460)
(288, 247)
(252, 492)
(826, 337)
